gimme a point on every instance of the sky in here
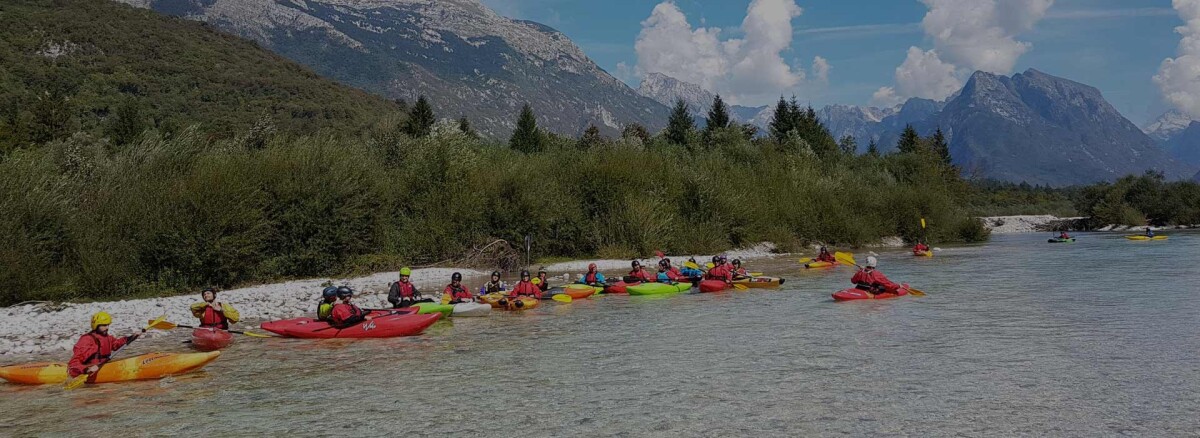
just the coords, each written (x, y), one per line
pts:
(880, 52)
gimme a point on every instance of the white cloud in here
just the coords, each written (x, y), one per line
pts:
(820, 69)
(1179, 78)
(886, 97)
(742, 69)
(924, 74)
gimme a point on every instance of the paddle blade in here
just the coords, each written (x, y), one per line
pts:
(845, 258)
(155, 322)
(691, 265)
(257, 335)
(922, 223)
(162, 325)
(76, 382)
(740, 286)
(562, 298)
(709, 265)
(445, 299)
(915, 292)
(755, 274)
(806, 260)
(660, 254)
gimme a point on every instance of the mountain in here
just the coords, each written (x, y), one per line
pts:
(667, 90)
(1168, 126)
(1042, 129)
(467, 59)
(91, 63)
(1185, 145)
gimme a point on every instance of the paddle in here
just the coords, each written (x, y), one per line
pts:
(846, 258)
(165, 325)
(806, 260)
(562, 298)
(740, 286)
(82, 378)
(691, 265)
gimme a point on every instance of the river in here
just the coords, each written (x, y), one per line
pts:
(1016, 337)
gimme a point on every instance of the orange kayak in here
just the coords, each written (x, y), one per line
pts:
(580, 291)
(145, 367)
(820, 265)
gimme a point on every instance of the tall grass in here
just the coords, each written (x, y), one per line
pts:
(87, 219)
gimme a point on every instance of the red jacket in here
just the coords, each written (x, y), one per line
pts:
(921, 247)
(826, 257)
(642, 274)
(674, 274)
(874, 278)
(461, 293)
(346, 314)
(590, 278)
(740, 272)
(525, 288)
(91, 349)
(721, 272)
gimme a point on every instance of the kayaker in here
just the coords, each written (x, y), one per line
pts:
(638, 273)
(346, 314)
(738, 271)
(673, 272)
(95, 347)
(872, 281)
(493, 286)
(456, 291)
(663, 275)
(825, 256)
(525, 288)
(403, 293)
(328, 299)
(593, 277)
(1149, 232)
(213, 313)
(541, 281)
(1063, 235)
(692, 273)
(719, 271)
(921, 247)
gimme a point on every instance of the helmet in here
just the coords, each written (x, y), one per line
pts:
(636, 263)
(541, 271)
(716, 259)
(329, 292)
(101, 318)
(405, 271)
(458, 277)
(591, 267)
(524, 274)
(344, 291)
(209, 290)
(666, 261)
(872, 262)
(495, 274)
(737, 262)
(724, 258)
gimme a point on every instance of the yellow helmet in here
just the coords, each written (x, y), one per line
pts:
(101, 318)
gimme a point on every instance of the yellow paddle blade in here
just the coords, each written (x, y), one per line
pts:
(740, 286)
(709, 265)
(845, 258)
(76, 382)
(922, 223)
(155, 322)
(691, 265)
(162, 325)
(915, 292)
(445, 299)
(806, 260)
(562, 298)
(257, 335)
(755, 274)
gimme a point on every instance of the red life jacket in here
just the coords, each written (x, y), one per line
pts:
(642, 274)
(213, 318)
(93, 349)
(406, 289)
(343, 312)
(525, 288)
(459, 293)
(590, 278)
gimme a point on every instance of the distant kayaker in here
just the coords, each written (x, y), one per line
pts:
(525, 287)
(593, 277)
(325, 307)
(95, 347)
(1063, 235)
(825, 256)
(921, 247)
(719, 271)
(213, 313)
(663, 275)
(345, 313)
(403, 293)
(493, 286)
(1149, 232)
(738, 271)
(542, 280)
(456, 291)
(691, 272)
(872, 281)
(672, 272)
(639, 274)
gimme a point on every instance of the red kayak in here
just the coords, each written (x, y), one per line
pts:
(713, 285)
(619, 287)
(210, 339)
(382, 327)
(281, 326)
(859, 294)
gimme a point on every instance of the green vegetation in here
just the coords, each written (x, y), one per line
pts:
(994, 198)
(1141, 200)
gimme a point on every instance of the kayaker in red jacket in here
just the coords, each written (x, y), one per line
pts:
(719, 271)
(525, 288)
(872, 281)
(346, 314)
(825, 256)
(738, 271)
(403, 293)
(640, 273)
(921, 247)
(96, 347)
(672, 272)
(213, 313)
(456, 291)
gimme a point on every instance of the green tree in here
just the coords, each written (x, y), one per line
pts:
(680, 125)
(910, 141)
(591, 138)
(127, 123)
(718, 115)
(464, 126)
(939, 146)
(873, 148)
(635, 130)
(781, 121)
(420, 119)
(527, 137)
(848, 145)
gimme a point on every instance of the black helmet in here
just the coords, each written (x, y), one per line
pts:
(209, 289)
(666, 261)
(737, 262)
(524, 274)
(716, 259)
(458, 277)
(496, 274)
(636, 263)
(344, 291)
(329, 292)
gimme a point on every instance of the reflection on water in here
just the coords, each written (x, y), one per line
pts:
(1016, 337)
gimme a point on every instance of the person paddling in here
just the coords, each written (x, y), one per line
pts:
(403, 293)
(542, 280)
(719, 271)
(672, 272)
(325, 307)
(493, 286)
(345, 313)
(639, 273)
(456, 291)
(1150, 232)
(1063, 235)
(921, 247)
(213, 313)
(593, 277)
(525, 288)
(825, 256)
(872, 281)
(738, 271)
(96, 347)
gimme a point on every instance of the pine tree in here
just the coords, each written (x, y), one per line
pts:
(873, 149)
(591, 138)
(940, 147)
(127, 123)
(464, 126)
(635, 130)
(848, 145)
(680, 125)
(420, 119)
(526, 138)
(781, 121)
(910, 141)
(718, 115)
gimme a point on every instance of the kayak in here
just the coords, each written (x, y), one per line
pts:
(713, 285)
(427, 308)
(471, 309)
(210, 339)
(760, 282)
(493, 299)
(280, 327)
(859, 294)
(820, 265)
(580, 291)
(619, 287)
(382, 327)
(658, 288)
(922, 253)
(144, 367)
(521, 303)
(1061, 240)
(1146, 238)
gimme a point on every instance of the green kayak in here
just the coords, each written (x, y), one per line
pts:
(658, 288)
(426, 308)
(1060, 240)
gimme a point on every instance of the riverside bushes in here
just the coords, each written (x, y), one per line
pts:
(84, 218)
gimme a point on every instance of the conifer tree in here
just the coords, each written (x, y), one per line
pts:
(526, 138)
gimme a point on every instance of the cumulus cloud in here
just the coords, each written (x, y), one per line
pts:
(1179, 78)
(820, 69)
(923, 74)
(745, 68)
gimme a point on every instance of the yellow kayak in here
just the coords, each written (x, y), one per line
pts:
(1146, 238)
(144, 367)
(760, 282)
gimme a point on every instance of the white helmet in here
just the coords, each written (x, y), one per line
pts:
(872, 262)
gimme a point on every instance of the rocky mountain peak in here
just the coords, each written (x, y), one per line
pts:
(1168, 126)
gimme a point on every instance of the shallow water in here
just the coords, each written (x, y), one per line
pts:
(1016, 337)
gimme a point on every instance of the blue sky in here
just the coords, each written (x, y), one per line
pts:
(1114, 45)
